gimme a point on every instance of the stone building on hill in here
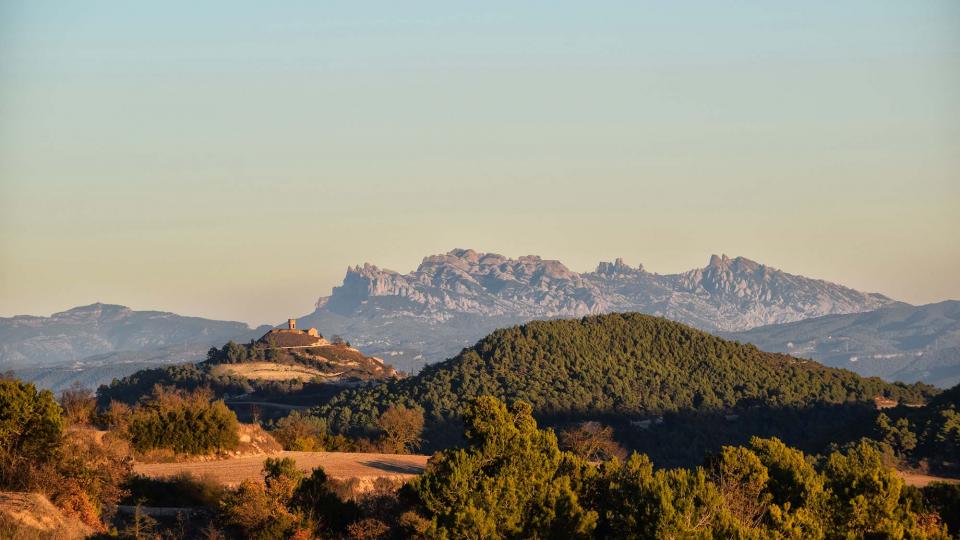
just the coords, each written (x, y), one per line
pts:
(291, 337)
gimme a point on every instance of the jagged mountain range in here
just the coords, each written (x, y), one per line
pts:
(898, 342)
(727, 294)
(451, 300)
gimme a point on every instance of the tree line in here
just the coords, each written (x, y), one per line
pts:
(513, 481)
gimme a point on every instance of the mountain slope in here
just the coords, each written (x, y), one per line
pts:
(452, 300)
(102, 328)
(618, 364)
(900, 342)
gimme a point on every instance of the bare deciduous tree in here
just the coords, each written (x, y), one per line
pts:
(401, 429)
(592, 441)
(78, 404)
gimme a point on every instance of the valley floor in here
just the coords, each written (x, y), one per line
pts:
(338, 465)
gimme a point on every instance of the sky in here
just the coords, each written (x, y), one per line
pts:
(231, 159)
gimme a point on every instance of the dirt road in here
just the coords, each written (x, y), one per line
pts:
(339, 465)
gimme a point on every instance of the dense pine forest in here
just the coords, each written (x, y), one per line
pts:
(618, 366)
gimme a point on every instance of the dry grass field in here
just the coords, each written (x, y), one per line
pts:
(338, 465)
(920, 480)
(347, 465)
(269, 371)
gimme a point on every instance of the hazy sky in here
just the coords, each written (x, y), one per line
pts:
(230, 159)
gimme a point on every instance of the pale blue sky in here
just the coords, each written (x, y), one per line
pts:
(230, 159)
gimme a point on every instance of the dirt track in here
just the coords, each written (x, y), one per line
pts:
(339, 465)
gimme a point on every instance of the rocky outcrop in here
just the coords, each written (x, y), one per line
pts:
(465, 281)
(737, 294)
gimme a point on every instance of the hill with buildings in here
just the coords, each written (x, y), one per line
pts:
(285, 366)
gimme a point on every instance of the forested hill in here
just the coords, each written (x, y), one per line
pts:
(618, 364)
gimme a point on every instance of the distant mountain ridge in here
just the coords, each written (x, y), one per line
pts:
(453, 299)
(111, 340)
(897, 342)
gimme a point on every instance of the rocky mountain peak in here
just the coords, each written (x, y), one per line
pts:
(617, 268)
(474, 267)
(362, 282)
(370, 271)
(736, 264)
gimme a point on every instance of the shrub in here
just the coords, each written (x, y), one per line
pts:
(90, 475)
(31, 430)
(368, 529)
(286, 504)
(116, 417)
(182, 490)
(79, 405)
(30, 424)
(186, 423)
(306, 433)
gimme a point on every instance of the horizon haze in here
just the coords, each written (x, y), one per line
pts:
(232, 163)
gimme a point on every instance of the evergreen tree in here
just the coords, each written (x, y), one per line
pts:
(507, 484)
(31, 427)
